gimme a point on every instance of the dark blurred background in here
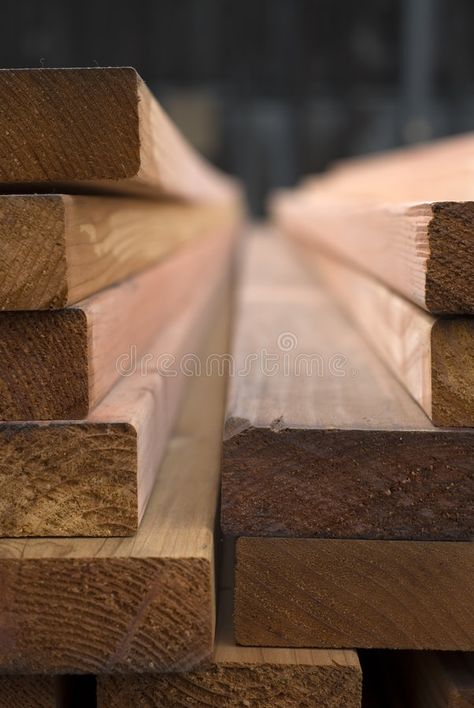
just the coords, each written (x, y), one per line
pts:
(271, 90)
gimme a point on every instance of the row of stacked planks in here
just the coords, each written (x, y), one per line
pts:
(314, 380)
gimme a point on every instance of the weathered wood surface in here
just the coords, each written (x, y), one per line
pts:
(97, 128)
(433, 357)
(141, 604)
(354, 594)
(320, 439)
(56, 250)
(94, 477)
(244, 676)
(58, 365)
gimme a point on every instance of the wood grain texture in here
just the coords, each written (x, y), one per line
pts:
(29, 692)
(321, 440)
(97, 128)
(94, 477)
(433, 679)
(240, 676)
(354, 594)
(56, 250)
(59, 364)
(142, 604)
(423, 251)
(431, 356)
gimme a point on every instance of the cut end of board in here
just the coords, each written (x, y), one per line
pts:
(452, 362)
(42, 495)
(450, 265)
(81, 124)
(44, 365)
(32, 257)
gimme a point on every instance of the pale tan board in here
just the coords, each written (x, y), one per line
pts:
(354, 594)
(424, 251)
(433, 357)
(58, 249)
(94, 477)
(97, 128)
(244, 676)
(434, 679)
(142, 604)
(438, 171)
(321, 440)
(58, 365)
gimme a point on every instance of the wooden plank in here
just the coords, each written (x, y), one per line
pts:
(424, 251)
(435, 171)
(354, 594)
(94, 477)
(127, 605)
(431, 356)
(434, 680)
(320, 439)
(56, 250)
(241, 676)
(97, 128)
(58, 365)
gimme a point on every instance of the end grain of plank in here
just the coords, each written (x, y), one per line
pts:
(29, 692)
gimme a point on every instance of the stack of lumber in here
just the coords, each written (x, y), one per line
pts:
(348, 480)
(116, 252)
(350, 508)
